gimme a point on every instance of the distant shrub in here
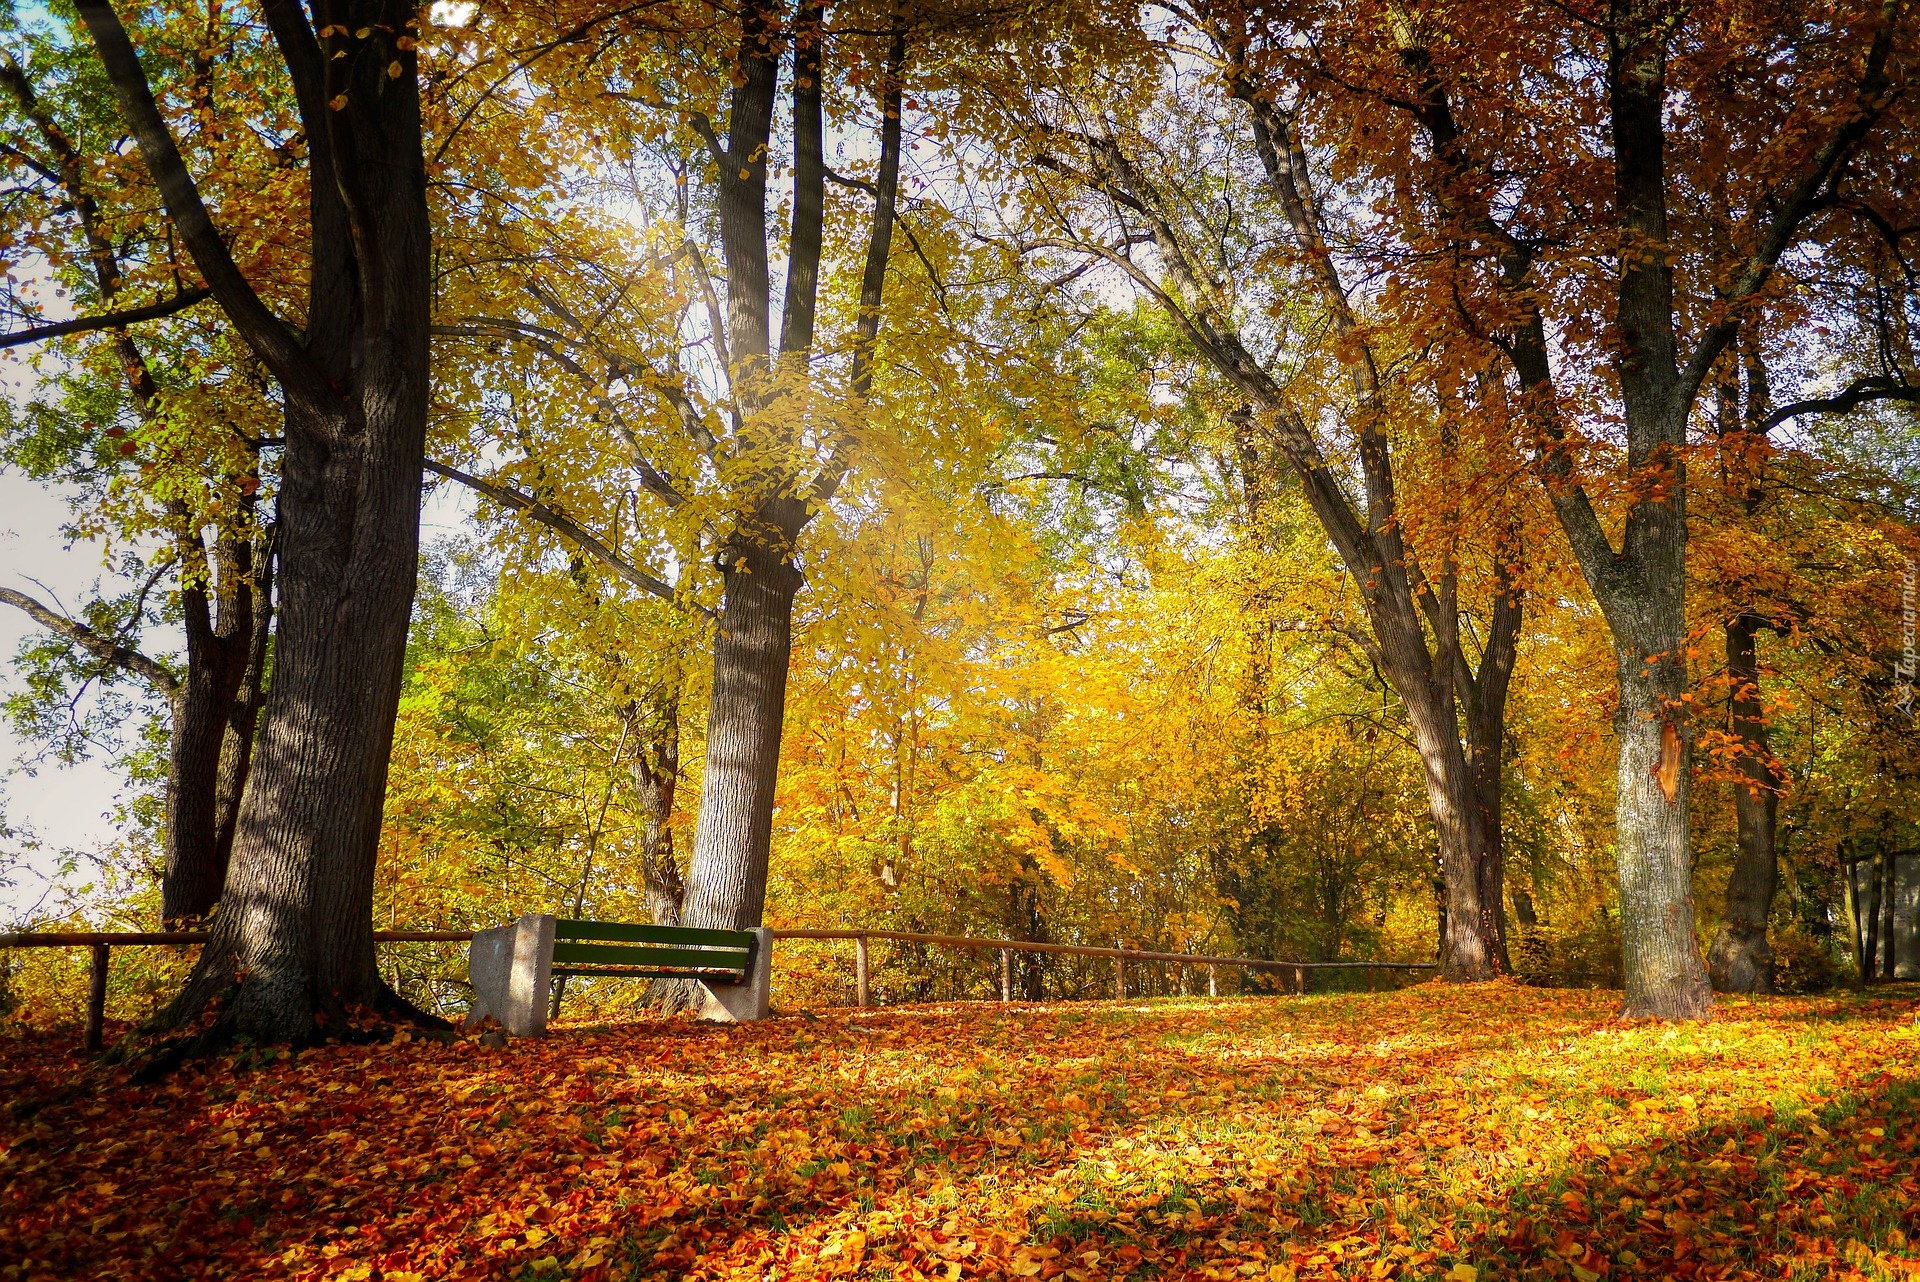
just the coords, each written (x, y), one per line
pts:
(1802, 962)
(1582, 954)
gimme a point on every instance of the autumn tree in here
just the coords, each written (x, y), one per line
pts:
(1250, 261)
(1567, 249)
(344, 337)
(737, 403)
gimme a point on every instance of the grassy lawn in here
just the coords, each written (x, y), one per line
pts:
(1491, 1133)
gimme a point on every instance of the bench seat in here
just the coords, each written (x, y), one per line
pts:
(664, 952)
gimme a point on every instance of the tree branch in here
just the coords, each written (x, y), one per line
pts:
(1799, 202)
(873, 279)
(1859, 392)
(514, 500)
(111, 320)
(257, 325)
(102, 648)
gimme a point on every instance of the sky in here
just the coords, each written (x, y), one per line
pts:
(64, 807)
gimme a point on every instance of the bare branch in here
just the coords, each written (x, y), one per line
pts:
(1859, 392)
(1799, 202)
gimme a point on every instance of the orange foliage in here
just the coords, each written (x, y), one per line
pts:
(1434, 1132)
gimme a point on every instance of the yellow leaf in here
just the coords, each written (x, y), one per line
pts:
(393, 69)
(337, 102)
(1463, 1273)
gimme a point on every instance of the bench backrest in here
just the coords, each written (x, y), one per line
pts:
(639, 949)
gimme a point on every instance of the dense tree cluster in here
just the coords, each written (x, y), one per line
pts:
(1320, 479)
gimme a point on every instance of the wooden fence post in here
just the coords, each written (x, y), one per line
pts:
(1300, 980)
(1120, 978)
(1213, 986)
(860, 970)
(1006, 974)
(97, 999)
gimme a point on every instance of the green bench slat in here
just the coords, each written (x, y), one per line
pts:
(729, 959)
(636, 933)
(647, 972)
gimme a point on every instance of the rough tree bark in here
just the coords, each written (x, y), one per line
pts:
(1740, 960)
(292, 946)
(656, 777)
(217, 611)
(243, 718)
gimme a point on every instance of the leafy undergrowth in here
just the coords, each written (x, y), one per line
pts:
(1496, 1132)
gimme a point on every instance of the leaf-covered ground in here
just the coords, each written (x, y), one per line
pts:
(1493, 1133)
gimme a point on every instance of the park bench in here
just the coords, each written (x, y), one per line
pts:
(512, 967)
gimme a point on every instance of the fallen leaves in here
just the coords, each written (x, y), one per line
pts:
(1433, 1133)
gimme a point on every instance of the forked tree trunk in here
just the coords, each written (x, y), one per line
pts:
(727, 874)
(1741, 960)
(293, 942)
(220, 632)
(243, 719)
(1468, 948)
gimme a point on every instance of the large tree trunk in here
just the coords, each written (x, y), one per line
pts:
(1740, 960)
(1665, 977)
(293, 942)
(727, 876)
(296, 920)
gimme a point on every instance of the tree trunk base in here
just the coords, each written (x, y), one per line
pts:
(204, 1021)
(1741, 961)
(1481, 970)
(1677, 1000)
(671, 996)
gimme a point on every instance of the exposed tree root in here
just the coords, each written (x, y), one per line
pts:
(198, 1027)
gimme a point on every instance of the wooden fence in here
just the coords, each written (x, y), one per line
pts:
(1293, 973)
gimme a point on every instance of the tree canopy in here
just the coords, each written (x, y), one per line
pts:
(1316, 480)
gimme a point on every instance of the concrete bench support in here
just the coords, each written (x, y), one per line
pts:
(511, 969)
(752, 997)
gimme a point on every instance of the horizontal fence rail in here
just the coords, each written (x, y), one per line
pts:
(103, 942)
(1084, 950)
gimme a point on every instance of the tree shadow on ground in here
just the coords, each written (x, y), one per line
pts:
(1356, 1137)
